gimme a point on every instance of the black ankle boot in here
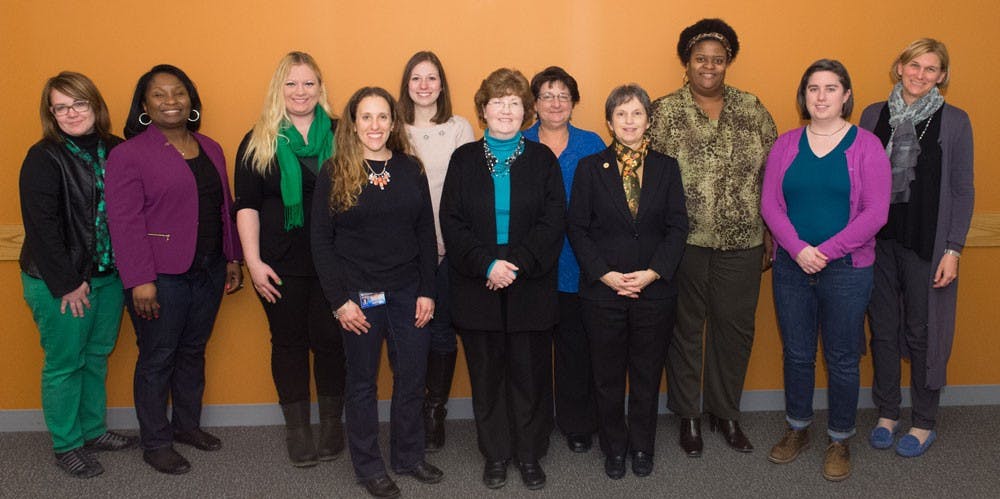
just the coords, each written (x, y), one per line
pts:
(298, 434)
(331, 428)
(440, 369)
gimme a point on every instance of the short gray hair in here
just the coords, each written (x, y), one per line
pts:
(623, 94)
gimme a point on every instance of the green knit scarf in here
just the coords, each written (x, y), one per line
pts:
(290, 148)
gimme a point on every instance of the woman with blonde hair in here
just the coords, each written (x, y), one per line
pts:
(374, 251)
(276, 170)
(912, 311)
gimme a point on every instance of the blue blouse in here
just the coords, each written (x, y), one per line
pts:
(582, 143)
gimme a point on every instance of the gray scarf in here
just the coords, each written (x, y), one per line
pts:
(903, 148)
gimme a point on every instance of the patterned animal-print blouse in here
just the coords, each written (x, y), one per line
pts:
(721, 164)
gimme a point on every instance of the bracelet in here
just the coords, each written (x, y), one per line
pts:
(336, 315)
(236, 262)
(953, 253)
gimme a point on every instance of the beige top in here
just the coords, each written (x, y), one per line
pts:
(434, 145)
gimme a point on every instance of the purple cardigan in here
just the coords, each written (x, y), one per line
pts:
(871, 178)
(152, 202)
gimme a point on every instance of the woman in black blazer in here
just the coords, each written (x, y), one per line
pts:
(502, 218)
(628, 223)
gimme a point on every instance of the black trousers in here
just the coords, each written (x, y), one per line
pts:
(511, 377)
(576, 406)
(300, 321)
(628, 337)
(898, 317)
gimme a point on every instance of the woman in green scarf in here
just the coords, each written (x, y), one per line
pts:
(276, 169)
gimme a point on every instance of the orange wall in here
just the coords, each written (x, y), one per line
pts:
(230, 48)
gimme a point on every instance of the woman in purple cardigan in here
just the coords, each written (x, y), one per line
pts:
(176, 247)
(912, 312)
(825, 195)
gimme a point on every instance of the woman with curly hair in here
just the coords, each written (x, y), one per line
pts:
(373, 246)
(720, 136)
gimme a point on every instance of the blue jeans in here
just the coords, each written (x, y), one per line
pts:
(830, 303)
(442, 333)
(171, 361)
(408, 347)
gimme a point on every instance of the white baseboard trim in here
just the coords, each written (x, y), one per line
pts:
(461, 408)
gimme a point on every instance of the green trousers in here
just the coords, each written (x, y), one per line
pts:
(74, 398)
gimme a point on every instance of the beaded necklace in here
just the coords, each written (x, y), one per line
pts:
(378, 179)
(502, 169)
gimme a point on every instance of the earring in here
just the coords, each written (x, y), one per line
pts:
(148, 119)
(197, 116)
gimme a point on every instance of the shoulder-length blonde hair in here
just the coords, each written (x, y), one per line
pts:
(347, 166)
(264, 137)
(79, 87)
(918, 48)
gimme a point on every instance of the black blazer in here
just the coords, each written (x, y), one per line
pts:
(604, 235)
(468, 224)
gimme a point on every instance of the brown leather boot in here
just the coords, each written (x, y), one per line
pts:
(331, 428)
(790, 446)
(837, 462)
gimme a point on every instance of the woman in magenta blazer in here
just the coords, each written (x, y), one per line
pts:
(176, 246)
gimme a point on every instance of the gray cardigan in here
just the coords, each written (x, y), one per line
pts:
(954, 216)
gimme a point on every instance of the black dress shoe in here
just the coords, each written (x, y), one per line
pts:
(579, 442)
(690, 438)
(730, 430)
(166, 460)
(382, 486)
(199, 439)
(425, 472)
(642, 463)
(614, 467)
(532, 475)
(495, 474)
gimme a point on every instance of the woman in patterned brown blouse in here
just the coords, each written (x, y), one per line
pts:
(720, 137)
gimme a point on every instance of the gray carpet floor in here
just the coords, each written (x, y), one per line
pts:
(252, 463)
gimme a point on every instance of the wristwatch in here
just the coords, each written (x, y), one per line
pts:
(953, 253)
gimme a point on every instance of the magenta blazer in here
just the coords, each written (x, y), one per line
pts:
(152, 203)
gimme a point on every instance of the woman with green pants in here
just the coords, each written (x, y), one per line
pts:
(68, 269)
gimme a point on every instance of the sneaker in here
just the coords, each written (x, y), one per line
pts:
(111, 441)
(790, 446)
(79, 464)
(837, 462)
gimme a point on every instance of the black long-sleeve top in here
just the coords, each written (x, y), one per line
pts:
(386, 242)
(288, 252)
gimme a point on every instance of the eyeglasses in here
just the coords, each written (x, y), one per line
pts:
(80, 106)
(550, 97)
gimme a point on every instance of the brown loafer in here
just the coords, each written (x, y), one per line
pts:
(790, 446)
(731, 432)
(837, 462)
(690, 436)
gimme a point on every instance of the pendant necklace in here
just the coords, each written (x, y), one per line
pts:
(378, 179)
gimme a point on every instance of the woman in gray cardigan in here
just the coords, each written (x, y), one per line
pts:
(912, 310)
